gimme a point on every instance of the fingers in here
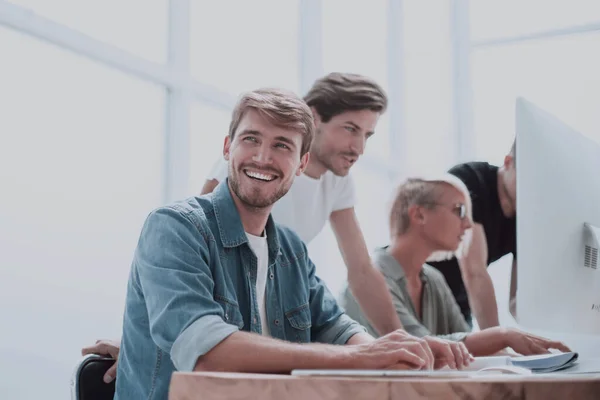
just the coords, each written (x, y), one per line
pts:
(467, 356)
(459, 358)
(549, 344)
(111, 374)
(400, 367)
(429, 354)
(405, 356)
(102, 347)
(559, 346)
(416, 345)
(446, 351)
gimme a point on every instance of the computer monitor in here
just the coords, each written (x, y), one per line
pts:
(558, 224)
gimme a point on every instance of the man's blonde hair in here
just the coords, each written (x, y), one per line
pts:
(426, 192)
(280, 107)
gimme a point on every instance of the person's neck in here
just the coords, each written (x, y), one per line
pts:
(254, 219)
(411, 255)
(315, 168)
(506, 204)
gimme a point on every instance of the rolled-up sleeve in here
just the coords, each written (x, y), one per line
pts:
(172, 266)
(329, 322)
(341, 331)
(198, 339)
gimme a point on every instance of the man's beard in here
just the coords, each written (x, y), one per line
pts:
(328, 162)
(255, 199)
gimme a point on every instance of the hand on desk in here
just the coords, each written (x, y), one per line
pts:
(105, 348)
(396, 350)
(528, 344)
(449, 353)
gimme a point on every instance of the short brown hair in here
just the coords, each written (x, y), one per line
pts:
(337, 93)
(280, 107)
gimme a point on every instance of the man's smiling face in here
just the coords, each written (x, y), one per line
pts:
(263, 160)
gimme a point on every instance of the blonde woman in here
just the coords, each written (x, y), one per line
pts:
(431, 219)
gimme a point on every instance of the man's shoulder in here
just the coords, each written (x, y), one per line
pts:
(474, 173)
(193, 210)
(332, 181)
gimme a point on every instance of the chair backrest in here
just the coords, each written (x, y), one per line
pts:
(88, 383)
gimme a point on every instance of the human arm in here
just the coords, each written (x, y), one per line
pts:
(250, 352)
(492, 340)
(366, 282)
(218, 173)
(478, 283)
(209, 186)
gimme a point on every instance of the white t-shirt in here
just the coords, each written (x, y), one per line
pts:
(307, 206)
(259, 247)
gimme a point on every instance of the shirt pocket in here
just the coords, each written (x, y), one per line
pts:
(299, 320)
(231, 311)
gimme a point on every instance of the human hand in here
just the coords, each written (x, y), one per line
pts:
(396, 350)
(528, 344)
(451, 353)
(105, 347)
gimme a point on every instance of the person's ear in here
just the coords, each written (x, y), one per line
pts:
(416, 215)
(226, 147)
(303, 163)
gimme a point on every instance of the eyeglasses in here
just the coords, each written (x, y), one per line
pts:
(459, 209)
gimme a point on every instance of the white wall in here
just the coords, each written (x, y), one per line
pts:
(81, 151)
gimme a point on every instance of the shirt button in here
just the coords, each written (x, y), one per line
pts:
(271, 276)
(276, 322)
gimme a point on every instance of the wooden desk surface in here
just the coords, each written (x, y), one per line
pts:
(233, 386)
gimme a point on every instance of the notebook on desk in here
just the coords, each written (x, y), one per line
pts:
(542, 363)
(524, 365)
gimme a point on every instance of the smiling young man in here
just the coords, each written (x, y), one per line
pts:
(346, 108)
(216, 285)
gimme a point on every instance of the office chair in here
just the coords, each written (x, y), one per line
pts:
(87, 382)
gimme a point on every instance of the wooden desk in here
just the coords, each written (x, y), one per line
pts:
(230, 386)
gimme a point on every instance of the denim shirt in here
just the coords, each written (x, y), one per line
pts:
(193, 283)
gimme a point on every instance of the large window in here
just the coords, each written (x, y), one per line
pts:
(428, 87)
(238, 46)
(492, 19)
(208, 128)
(349, 47)
(558, 74)
(81, 165)
(119, 23)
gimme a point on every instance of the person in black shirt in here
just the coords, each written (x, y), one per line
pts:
(493, 194)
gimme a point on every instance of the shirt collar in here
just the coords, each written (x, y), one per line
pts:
(390, 267)
(230, 225)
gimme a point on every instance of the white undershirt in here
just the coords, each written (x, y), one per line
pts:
(259, 247)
